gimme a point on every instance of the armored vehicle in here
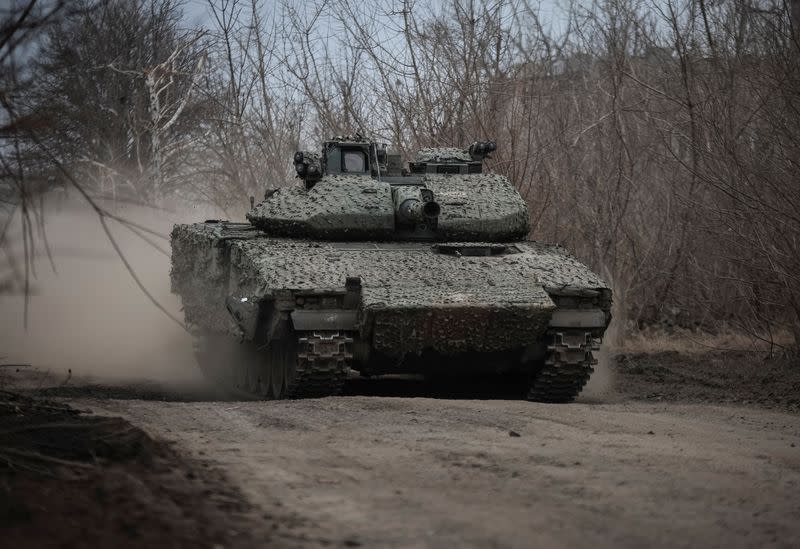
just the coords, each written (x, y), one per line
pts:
(369, 266)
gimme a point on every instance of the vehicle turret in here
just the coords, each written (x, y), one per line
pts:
(356, 188)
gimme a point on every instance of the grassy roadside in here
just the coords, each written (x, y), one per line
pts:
(725, 369)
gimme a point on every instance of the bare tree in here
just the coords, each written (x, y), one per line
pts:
(116, 87)
(659, 140)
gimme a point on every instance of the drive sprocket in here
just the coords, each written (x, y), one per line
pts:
(568, 364)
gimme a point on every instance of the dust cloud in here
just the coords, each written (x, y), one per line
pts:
(601, 386)
(89, 316)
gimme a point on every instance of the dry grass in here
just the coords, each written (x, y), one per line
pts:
(657, 340)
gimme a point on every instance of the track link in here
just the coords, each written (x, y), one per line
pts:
(567, 367)
(321, 365)
(316, 366)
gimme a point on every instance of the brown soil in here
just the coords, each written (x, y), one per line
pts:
(677, 450)
(73, 480)
(726, 377)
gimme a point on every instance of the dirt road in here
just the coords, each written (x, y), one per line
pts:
(420, 472)
(390, 470)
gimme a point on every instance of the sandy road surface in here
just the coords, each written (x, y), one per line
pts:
(422, 472)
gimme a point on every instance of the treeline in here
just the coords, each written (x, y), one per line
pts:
(659, 140)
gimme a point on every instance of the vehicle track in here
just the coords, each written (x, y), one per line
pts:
(422, 472)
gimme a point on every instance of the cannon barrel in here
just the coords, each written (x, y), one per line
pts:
(413, 205)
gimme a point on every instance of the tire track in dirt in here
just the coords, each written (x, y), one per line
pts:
(420, 472)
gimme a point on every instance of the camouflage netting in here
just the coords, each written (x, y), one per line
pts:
(412, 297)
(339, 206)
(482, 207)
(554, 267)
(443, 154)
(200, 272)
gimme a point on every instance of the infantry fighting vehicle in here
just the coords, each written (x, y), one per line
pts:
(369, 266)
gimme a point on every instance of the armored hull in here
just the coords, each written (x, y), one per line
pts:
(380, 274)
(394, 306)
